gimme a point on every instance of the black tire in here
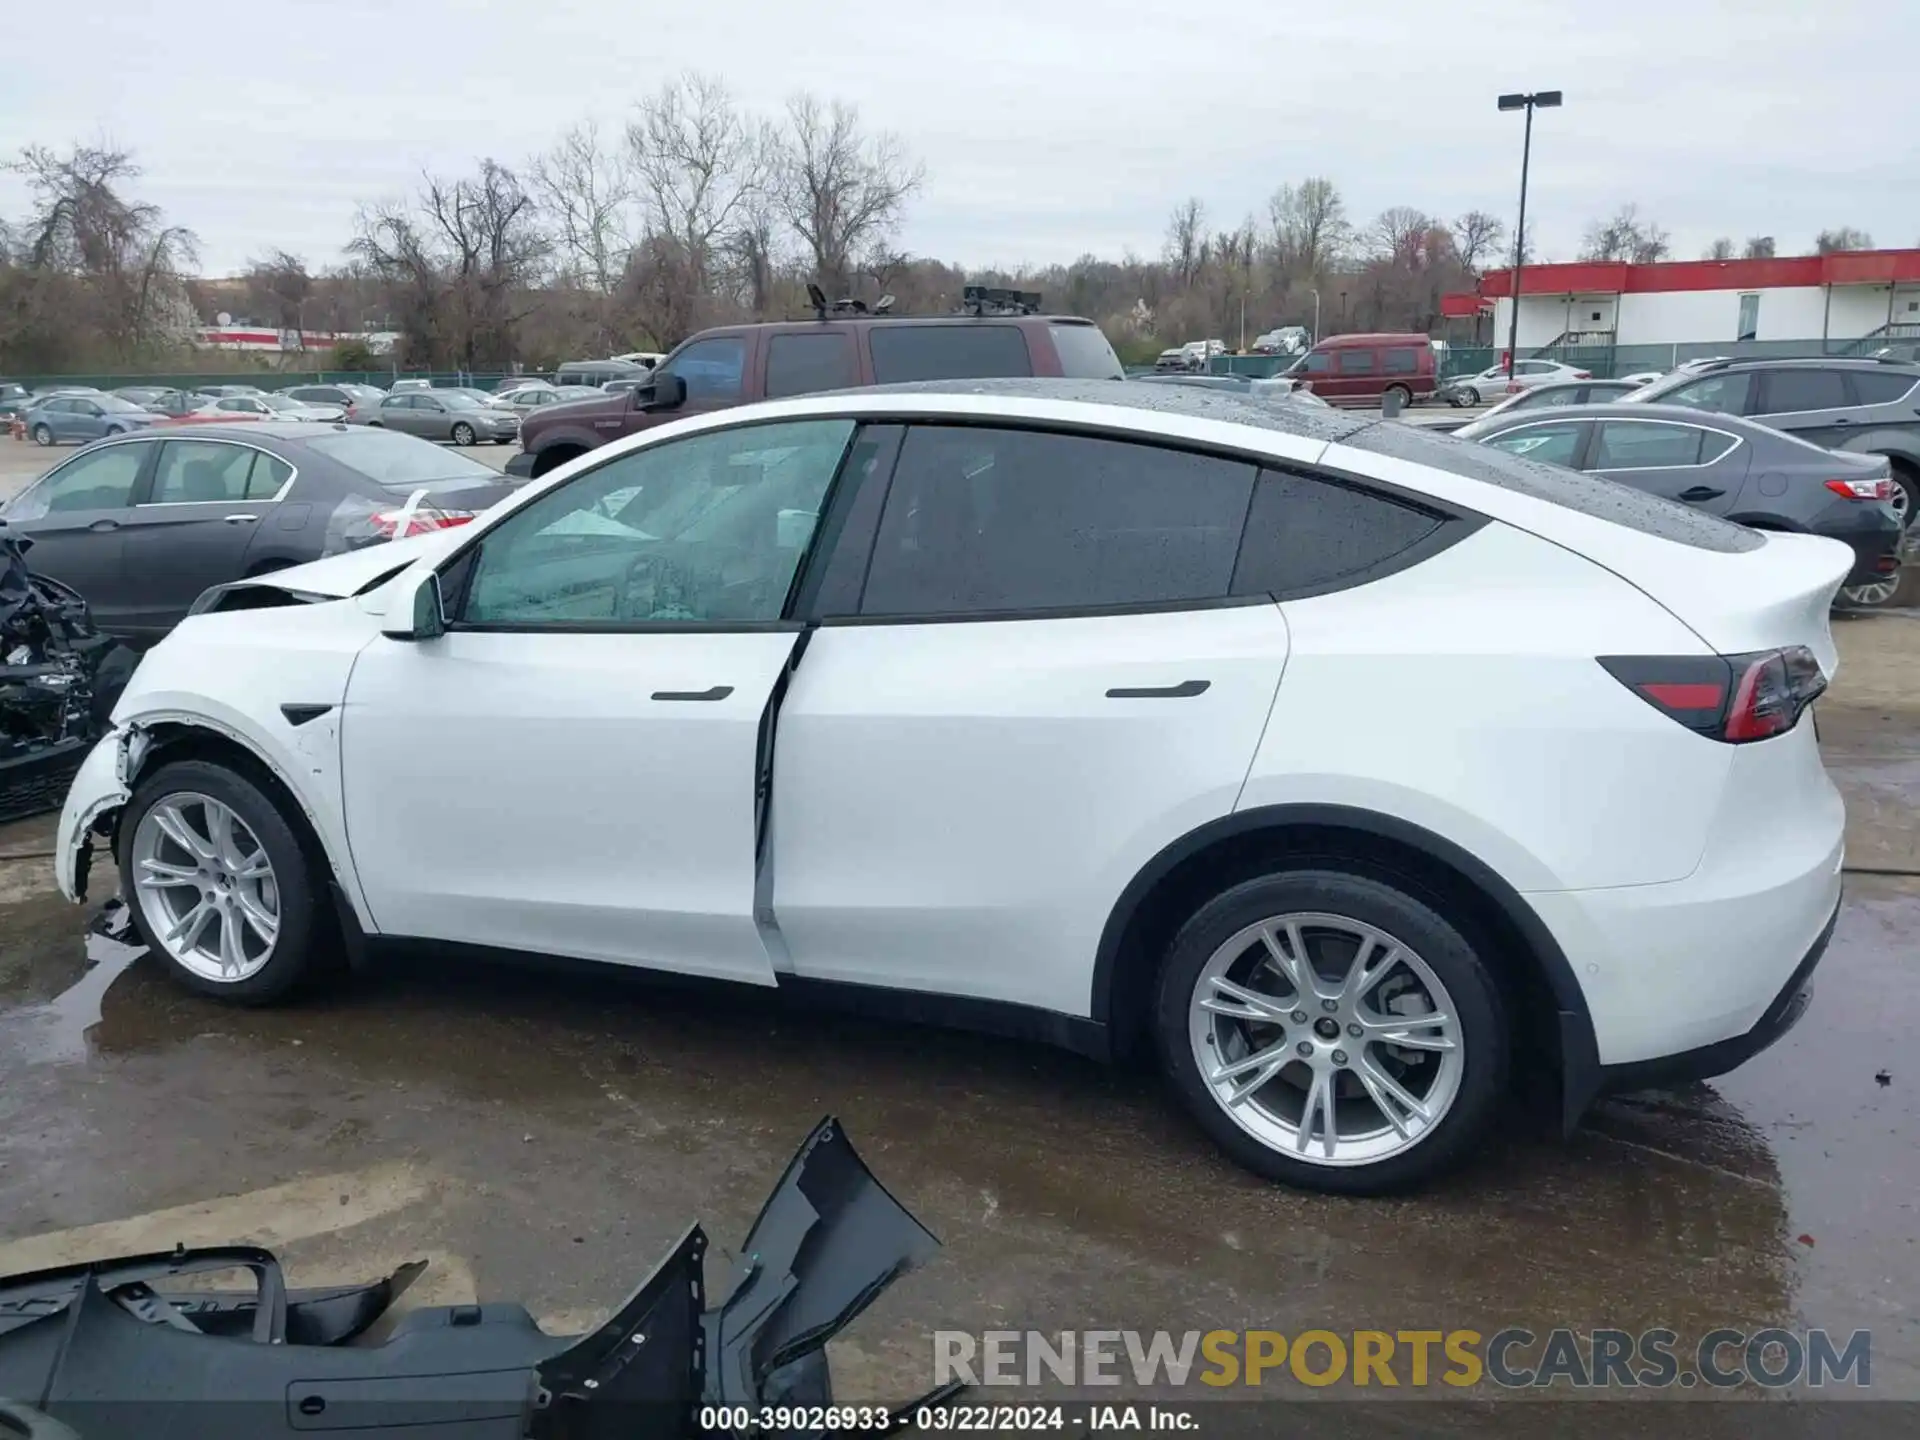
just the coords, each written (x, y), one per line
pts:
(463, 435)
(42, 435)
(1475, 994)
(304, 930)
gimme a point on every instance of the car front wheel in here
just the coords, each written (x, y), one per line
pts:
(217, 883)
(1333, 1032)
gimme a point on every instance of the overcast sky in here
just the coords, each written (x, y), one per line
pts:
(1048, 127)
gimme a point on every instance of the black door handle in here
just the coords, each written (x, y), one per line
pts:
(1701, 492)
(104, 525)
(1185, 690)
(718, 692)
(1840, 420)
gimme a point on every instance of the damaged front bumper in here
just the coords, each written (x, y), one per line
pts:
(103, 784)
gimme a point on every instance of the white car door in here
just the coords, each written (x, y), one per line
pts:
(572, 768)
(1042, 680)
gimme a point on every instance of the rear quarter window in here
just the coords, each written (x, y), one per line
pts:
(1881, 388)
(947, 352)
(1305, 533)
(1085, 353)
(1589, 494)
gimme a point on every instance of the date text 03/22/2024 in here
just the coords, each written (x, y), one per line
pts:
(1011, 1419)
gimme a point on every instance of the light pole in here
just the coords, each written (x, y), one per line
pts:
(1545, 100)
(1315, 340)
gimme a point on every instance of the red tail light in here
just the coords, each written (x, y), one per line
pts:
(1881, 489)
(1583, 374)
(388, 522)
(1732, 698)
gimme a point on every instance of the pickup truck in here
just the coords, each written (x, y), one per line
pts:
(738, 364)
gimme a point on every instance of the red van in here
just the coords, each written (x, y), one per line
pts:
(1361, 369)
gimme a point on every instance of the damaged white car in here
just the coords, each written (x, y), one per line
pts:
(1350, 768)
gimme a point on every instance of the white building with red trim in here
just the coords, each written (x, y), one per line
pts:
(1845, 296)
(264, 339)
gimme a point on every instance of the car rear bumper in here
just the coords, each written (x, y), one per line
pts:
(1698, 964)
(1871, 530)
(1707, 1061)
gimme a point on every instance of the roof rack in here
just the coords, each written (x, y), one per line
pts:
(817, 298)
(980, 300)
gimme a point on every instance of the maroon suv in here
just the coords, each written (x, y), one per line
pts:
(741, 363)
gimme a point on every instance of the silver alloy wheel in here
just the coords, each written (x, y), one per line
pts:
(1876, 592)
(206, 887)
(1326, 1038)
(1472, 396)
(463, 434)
(1902, 503)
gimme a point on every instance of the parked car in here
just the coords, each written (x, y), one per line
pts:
(219, 390)
(1333, 922)
(1862, 406)
(1553, 393)
(342, 397)
(77, 418)
(400, 387)
(1734, 468)
(1286, 340)
(1174, 359)
(15, 399)
(1493, 383)
(532, 397)
(1275, 388)
(1362, 369)
(142, 524)
(234, 409)
(446, 415)
(172, 404)
(598, 372)
(718, 369)
(144, 395)
(648, 358)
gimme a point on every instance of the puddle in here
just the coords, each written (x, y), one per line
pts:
(56, 1028)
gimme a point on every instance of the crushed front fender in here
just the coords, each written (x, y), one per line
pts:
(101, 786)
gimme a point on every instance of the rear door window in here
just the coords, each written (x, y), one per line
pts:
(803, 363)
(1789, 392)
(1306, 533)
(1550, 444)
(1725, 394)
(1084, 353)
(1402, 362)
(981, 521)
(1355, 362)
(946, 352)
(1645, 445)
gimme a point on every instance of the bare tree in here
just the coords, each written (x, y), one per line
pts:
(698, 162)
(1309, 231)
(110, 263)
(1758, 247)
(585, 190)
(1400, 234)
(1477, 236)
(1627, 236)
(1186, 246)
(1844, 237)
(1721, 249)
(841, 189)
(279, 287)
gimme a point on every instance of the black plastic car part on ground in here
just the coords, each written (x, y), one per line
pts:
(131, 1348)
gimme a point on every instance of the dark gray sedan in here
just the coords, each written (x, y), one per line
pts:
(140, 525)
(1726, 466)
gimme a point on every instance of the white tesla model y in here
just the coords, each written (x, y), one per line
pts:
(1341, 764)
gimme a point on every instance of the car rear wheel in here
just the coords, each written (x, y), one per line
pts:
(42, 435)
(1406, 395)
(463, 434)
(1906, 493)
(218, 885)
(1332, 1031)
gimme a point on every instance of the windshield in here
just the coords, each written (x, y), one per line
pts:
(389, 458)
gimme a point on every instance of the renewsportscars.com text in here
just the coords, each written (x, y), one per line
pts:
(1512, 1358)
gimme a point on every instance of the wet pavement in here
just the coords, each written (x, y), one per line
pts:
(545, 1137)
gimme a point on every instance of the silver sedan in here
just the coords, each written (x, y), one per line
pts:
(447, 415)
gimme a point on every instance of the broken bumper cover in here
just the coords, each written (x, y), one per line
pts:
(98, 788)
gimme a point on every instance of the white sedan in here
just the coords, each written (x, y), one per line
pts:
(1494, 383)
(1338, 763)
